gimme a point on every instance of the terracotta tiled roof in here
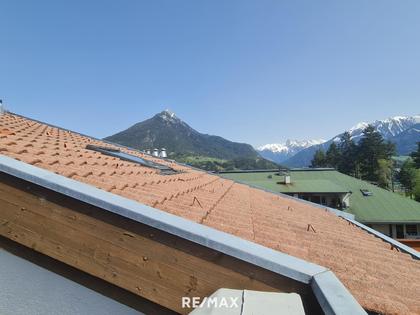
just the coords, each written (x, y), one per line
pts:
(381, 279)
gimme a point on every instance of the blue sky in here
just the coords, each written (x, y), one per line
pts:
(250, 71)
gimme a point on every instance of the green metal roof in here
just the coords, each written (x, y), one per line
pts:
(313, 186)
(382, 206)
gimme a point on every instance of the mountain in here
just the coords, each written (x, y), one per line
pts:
(401, 130)
(389, 128)
(279, 152)
(166, 130)
(406, 141)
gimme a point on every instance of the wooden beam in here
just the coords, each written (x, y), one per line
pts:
(145, 261)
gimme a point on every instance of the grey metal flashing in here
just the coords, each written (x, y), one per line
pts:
(390, 222)
(326, 285)
(164, 170)
(404, 248)
(275, 261)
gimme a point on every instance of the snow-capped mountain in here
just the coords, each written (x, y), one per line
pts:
(388, 128)
(278, 152)
(404, 131)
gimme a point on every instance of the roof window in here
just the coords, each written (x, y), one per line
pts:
(165, 170)
(366, 192)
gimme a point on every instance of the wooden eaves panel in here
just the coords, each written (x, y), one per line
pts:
(148, 262)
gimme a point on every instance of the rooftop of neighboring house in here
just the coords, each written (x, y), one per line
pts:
(369, 203)
(381, 279)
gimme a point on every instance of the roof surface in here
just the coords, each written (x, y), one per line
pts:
(381, 279)
(383, 206)
(272, 181)
(317, 185)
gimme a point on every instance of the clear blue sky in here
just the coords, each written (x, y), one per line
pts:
(251, 71)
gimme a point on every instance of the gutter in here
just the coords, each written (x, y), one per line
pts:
(331, 294)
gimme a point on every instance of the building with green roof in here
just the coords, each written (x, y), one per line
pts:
(383, 210)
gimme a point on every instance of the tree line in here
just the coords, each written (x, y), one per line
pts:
(217, 165)
(409, 175)
(371, 159)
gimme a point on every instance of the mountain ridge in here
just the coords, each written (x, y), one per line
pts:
(166, 130)
(279, 152)
(392, 128)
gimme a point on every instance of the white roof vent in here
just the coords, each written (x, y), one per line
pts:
(156, 152)
(162, 153)
(1, 107)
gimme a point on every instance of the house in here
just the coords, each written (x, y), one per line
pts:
(383, 210)
(146, 232)
(320, 191)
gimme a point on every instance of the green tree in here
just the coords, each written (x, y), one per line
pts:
(319, 159)
(348, 155)
(416, 156)
(371, 149)
(407, 177)
(333, 156)
(384, 173)
(389, 150)
(416, 190)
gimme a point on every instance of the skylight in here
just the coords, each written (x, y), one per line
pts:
(366, 192)
(166, 170)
